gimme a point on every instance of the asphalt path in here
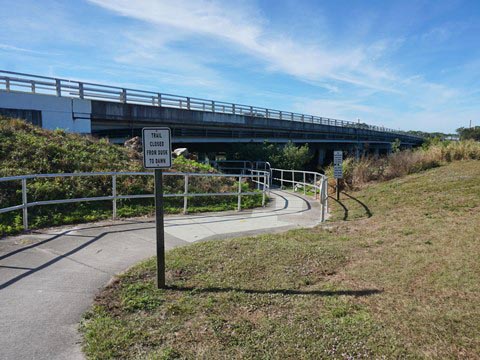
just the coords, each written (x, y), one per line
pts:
(49, 278)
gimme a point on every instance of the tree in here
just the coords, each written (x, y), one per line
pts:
(286, 157)
(472, 133)
(396, 145)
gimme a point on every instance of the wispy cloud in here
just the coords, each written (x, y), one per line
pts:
(243, 30)
(11, 48)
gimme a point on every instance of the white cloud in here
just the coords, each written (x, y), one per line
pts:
(241, 29)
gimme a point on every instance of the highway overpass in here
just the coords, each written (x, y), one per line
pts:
(120, 113)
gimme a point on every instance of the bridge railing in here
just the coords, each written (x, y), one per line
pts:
(260, 177)
(34, 84)
(308, 179)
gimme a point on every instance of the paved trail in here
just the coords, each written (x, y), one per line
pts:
(48, 279)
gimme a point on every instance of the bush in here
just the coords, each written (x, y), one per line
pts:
(368, 169)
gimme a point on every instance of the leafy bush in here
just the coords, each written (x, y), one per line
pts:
(289, 156)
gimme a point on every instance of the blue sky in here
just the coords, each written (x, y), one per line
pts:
(400, 64)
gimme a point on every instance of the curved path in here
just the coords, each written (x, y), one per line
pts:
(48, 279)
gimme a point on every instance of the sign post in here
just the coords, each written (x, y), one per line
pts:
(157, 154)
(337, 170)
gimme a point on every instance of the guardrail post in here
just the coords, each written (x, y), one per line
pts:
(81, 93)
(185, 197)
(233, 109)
(7, 84)
(58, 87)
(267, 113)
(25, 203)
(281, 179)
(292, 116)
(264, 188)
(114, 195)
(188, 103)
(326, 194)
(123, 96)
(239, 205)
(159, 99)
(315, 185)
(322, 200)
(213, 106)
(304, 185)
(281, 115)
(293, 180)
(32, 86)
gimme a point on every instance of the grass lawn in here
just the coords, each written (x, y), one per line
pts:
(395, 274)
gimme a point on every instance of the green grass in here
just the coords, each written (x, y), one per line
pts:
(397, 279)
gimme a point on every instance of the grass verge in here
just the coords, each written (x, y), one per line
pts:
(398, 279)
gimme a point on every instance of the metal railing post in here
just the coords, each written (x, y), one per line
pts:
(7, 85)
(185, 197)
(281, 179)
(58, 87)
(304, 185)
(188, 103)
(213, 106)
(114, 195)
(322, 200)
(123, 96)
(293, 180)
(32, 86)
(326, 194)
(233, 109)
(315, 185)
(81, 93)
(264, 188)
(239, 205)
(25, 203)
(269, 183)
(159, 99)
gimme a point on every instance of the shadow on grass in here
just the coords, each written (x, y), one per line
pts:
(356, 293)
(345, 209)
(365, 207)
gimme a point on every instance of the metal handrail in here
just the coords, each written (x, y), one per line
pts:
(35, 84)
(322, 188)
(260, 177)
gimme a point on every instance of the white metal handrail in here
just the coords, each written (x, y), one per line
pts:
(321, 185)
(260, 177)
(34, 84)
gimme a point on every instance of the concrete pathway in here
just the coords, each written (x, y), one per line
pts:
(49, 278)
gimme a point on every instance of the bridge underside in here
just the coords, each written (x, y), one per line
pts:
(121, 121)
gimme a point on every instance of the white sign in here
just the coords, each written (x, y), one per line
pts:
(338, 164)
(157, 152)
(338, 171)
(337, 157)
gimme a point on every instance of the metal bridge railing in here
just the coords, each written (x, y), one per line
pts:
(34, 84)
(259, 177)
(319, 184)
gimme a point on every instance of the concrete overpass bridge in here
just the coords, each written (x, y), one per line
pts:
(120, 113)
